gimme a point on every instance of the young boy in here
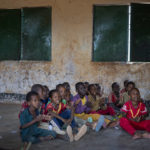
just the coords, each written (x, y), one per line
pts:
(126, 95)
(83, 106)
(38, 88)
(134, 112)
(29, 120)
(63, 116)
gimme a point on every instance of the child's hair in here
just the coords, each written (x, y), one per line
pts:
(114, 84)
(66, 85)
(78, 84)
(52, 92)
(136, 90)
(30, 94)
(125, 82)
(36, 87)
(46, 87)
(97, 86)
(131, 82)
(86, 83)
(58, 86)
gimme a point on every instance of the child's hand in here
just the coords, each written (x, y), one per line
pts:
(39, 118)
(65, 121)
(68, 122)
(77, 102)
(47, 117)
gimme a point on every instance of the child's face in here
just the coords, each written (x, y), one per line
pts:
(55, 98)
(67, 87)
(116, 88)
(61, 91)
(34, 102)
(93, 90)
(45, 93)
(41, 93)
(86, 87)
(81, 90)
(135, 96)
(98, 89)
(130, 87)
(125, 83)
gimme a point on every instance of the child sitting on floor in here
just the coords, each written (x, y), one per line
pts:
(64, 116)
(126, 95)
(93, 98)
(134, 112)
(114, 97)
(83, 108)
(86, 85)
(38, 88)
(98, 103)
(125, 87)
(29, 120)
(62, 93)
(68, 95)
(99, 92)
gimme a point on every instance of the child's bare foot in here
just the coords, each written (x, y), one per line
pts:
(94, 125)
(69, 133)
(81, 132)
(137, 136)
(26, 146)
(146, 135)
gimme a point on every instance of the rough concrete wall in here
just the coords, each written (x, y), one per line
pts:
(71, 52)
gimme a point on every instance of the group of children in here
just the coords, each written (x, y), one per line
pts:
(47, 115)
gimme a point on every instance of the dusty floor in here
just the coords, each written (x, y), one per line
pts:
(110, 139)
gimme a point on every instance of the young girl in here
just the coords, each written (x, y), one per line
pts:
(134, 112)
(98, 103)
(62, 93)
(64, 116)
(114, 97)
(68, 95)
(126, 95)
(29, 120)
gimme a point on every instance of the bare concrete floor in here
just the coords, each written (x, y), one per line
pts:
(108, 139)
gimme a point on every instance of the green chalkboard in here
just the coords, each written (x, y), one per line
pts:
(36, 34)
(10, 34)
(110, 33)
(140, 32)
